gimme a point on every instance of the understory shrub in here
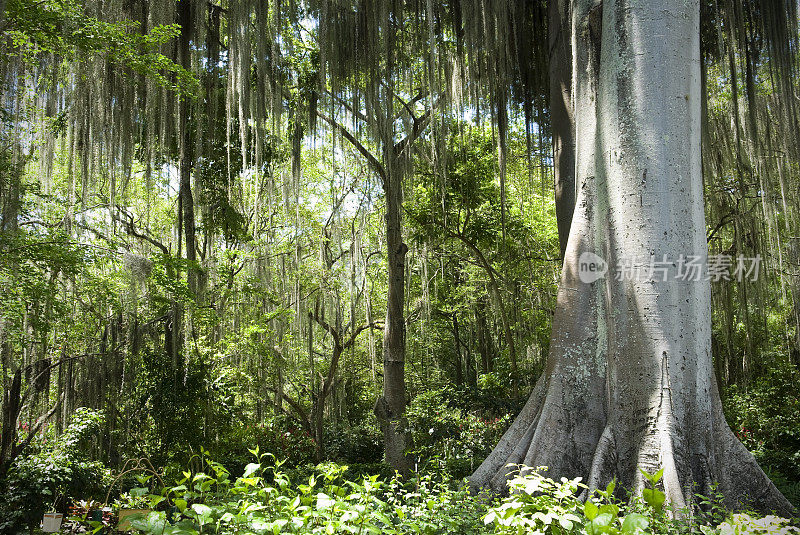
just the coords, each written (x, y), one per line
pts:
(52, 473)
(448, 439)
(277, 435)
(540, 505)
(361, 443)
(766, 418)
(265, 500)
(744, 524)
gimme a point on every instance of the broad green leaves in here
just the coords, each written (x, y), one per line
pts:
(652, 496)
(265, 503)
(541, 505)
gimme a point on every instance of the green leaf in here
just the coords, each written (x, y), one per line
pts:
(653, 478)
(142, 479)
(324, 501)
(634, 522)
(646, 474)
(658, 475)
(654, 498)
(611, 509)
(602, 520)
(590, 510)
(138, 492)
(251, 469)
(202, 510)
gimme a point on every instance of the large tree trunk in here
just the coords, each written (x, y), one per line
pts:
(629, 381)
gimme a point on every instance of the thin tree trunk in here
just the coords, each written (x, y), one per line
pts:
(10, 199)
(457, 345)
(483, 340)
(497, 298)
(390, 408)
(185, 19)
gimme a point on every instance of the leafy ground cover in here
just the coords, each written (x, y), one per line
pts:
(206, 499)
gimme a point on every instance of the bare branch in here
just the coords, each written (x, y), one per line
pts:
(19, 448)
(371, 159)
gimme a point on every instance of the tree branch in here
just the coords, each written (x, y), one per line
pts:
(371, 159)
(127, 222)
(342, 102)
(19, 448)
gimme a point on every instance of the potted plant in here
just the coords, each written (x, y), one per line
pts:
(51, 521)
(92, 514)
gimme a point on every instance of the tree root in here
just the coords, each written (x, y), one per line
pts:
(728, 465)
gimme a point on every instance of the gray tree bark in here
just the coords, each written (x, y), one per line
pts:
(629, 380)
(392, 168)
(185, 19)
(390, 408)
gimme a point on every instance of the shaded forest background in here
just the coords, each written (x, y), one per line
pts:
(194, 226)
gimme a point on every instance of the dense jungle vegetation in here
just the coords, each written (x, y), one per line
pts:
(297, 263)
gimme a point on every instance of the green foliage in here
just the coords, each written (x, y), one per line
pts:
(457, 215)
(277, 435)
(493, 394)
(446, 437)
(540, 505)
(62, 27)
(54, 471)
(30, 294)
(303, 230)
(359, 443)
(744, 524)
(766, 418)
(136, 498)
(264, 500)
(175, 399)
(711, 509)
(651, 495)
